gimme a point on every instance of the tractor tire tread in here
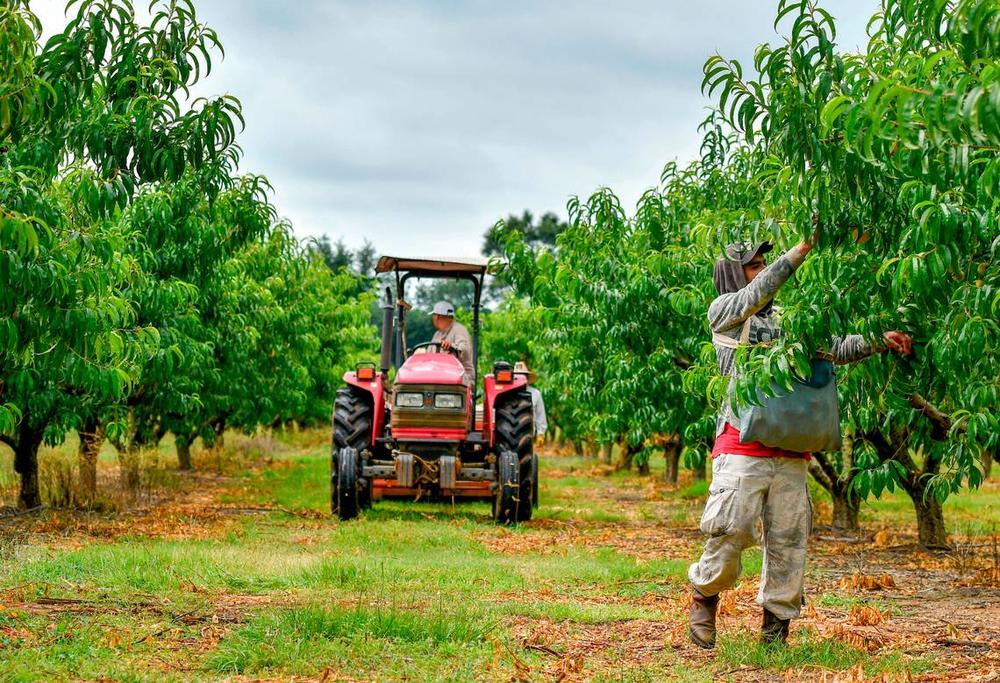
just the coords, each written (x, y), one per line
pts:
(514, 433)
(352, 426)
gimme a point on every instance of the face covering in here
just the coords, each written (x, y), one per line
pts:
(728, 278)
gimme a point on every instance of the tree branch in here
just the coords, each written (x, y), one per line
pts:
(816, 470)
(828, 469)
(682, 362)
(847, 465)
(886, 451)
(940, 420)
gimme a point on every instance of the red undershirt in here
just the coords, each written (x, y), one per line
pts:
(729, 442)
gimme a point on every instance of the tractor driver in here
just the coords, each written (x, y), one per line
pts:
(452, 336)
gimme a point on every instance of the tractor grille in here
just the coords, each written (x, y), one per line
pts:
(427, 415)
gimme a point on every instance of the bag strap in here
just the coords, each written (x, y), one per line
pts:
(729, 342)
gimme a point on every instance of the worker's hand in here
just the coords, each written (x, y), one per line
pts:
(900, 342)
(446, 345)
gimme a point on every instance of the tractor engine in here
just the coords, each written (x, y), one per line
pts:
(429, 417)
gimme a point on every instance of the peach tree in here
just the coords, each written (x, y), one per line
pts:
(86, 120)
(895, 150)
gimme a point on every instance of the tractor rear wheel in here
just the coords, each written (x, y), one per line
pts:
(352, 428)
(348, 502)
(514, 431)
(505, 500)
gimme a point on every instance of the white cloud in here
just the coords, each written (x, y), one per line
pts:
(417, 124)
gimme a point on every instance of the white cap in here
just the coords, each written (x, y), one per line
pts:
(444, 308)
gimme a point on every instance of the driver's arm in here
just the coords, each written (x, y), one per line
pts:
(461, 343)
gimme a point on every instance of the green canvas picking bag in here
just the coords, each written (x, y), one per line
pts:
(805, 419)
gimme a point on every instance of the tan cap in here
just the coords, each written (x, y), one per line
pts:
(521, 368)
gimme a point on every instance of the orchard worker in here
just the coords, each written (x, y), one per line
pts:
(537, 404)
(751, 481)
(452, 336)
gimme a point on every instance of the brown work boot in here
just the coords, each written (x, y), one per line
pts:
(702, 625)
(775, 630)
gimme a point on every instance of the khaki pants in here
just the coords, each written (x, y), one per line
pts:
(744, 489)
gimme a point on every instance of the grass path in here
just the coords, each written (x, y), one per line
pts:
(243, 576)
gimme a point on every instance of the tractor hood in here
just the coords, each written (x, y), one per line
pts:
(431, 368)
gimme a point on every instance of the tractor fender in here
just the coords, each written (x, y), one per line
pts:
(377, 391)
(494, 391)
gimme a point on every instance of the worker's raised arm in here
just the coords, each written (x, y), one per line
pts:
(731, 310)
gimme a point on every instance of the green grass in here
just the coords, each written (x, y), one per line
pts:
(847, 602)
(292, 640)
(696, 489)
(807, 651)
(417, 591)
(579, 613)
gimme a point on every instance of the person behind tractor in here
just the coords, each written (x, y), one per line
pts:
(764, 483)
(537, 404)
(452, 336)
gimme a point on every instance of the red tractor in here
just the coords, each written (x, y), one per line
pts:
(425, 435)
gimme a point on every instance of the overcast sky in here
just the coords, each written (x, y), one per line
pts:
(417, 124)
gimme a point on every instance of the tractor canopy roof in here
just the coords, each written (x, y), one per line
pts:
(442, 267)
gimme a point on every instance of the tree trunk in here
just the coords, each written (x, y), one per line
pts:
(930, 513)
(701, 471)
(183, 445)
(128, 458)
(672, 458)
(987, 463)
(845, 511)
(837, 483)
(606, 452)
(219, 427)
(643, 467)
(26, 463)
(577, 448)
(591, 447)
(930, 518)
(625, 455)
(91, 438)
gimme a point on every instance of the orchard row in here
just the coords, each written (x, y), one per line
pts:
(145, 285)
(891, 153)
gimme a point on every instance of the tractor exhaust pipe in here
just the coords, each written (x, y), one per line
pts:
(386, 358)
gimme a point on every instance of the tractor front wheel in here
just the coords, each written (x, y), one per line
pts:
(529, 488)
(334, 478)
(348, 503)
(352, 429)
(508, 492)
(514, 430)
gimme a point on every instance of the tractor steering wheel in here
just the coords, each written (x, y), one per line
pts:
(413, 349)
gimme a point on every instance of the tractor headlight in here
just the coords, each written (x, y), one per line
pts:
(447, 400)
(409, 399)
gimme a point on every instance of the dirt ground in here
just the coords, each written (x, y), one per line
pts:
(880, 593)
(944, 607)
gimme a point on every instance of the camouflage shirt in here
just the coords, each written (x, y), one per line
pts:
(728, 312)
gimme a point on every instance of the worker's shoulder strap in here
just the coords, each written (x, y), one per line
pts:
(729, 342)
